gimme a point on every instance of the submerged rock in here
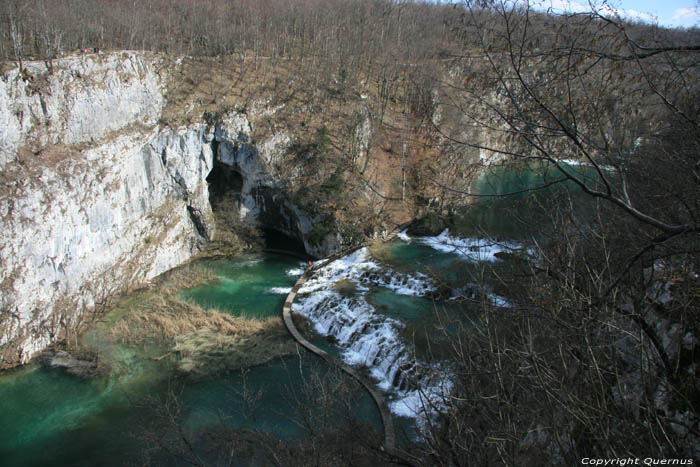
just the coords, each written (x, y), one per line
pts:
(82, 364)
(206, 352)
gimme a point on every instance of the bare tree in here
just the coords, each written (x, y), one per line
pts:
(587, 364)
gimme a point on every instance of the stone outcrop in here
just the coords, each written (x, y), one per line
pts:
(77, 99)
(98, 222)
(98, 197)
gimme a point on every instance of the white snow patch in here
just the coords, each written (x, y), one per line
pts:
(280, 290)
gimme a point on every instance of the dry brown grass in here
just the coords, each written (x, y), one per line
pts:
(381, 251)
(199, 341)
(185, 277)
(232, 236)
(203, 341)
(165, 318)
(205, 351)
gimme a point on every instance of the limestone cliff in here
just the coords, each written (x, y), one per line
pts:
(78, 99)
(97, 196)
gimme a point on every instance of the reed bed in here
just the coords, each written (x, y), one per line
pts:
(198, 340)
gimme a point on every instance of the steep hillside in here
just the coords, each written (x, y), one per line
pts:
(111, 163)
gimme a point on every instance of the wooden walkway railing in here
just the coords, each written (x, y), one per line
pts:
(389, 433)
(387, 421)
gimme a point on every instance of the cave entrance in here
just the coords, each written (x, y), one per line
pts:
(277, 241)
(225, 183)
(225, 186)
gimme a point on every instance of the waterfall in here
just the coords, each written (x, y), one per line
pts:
(370, 339)
(474, 249)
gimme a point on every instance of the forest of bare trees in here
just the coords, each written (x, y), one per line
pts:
(350, 33)
(599, 359)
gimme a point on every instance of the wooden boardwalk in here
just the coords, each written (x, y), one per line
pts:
(389, 434)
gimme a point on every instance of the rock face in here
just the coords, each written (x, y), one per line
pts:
(76, 100)
(85, 365)
(96, 197)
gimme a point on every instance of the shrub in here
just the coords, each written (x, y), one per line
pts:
(318, 233)
(345, 287)
(335, 184)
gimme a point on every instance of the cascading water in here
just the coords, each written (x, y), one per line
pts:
(417, 388)
(370, 339)
(474, 249)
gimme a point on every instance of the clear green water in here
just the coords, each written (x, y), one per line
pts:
(246, 286)
(403, 307)
(516, 218)
(532, 194)
(417, 256)
(50, 418)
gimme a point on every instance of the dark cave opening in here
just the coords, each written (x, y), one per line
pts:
(225, 183)
(276, 240)
(225, 187)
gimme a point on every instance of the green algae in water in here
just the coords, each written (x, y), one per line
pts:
(50, 418)
(252, 287)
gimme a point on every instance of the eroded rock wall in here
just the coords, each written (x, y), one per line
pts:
(108, 218)
(77, 99)
(97, 196)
